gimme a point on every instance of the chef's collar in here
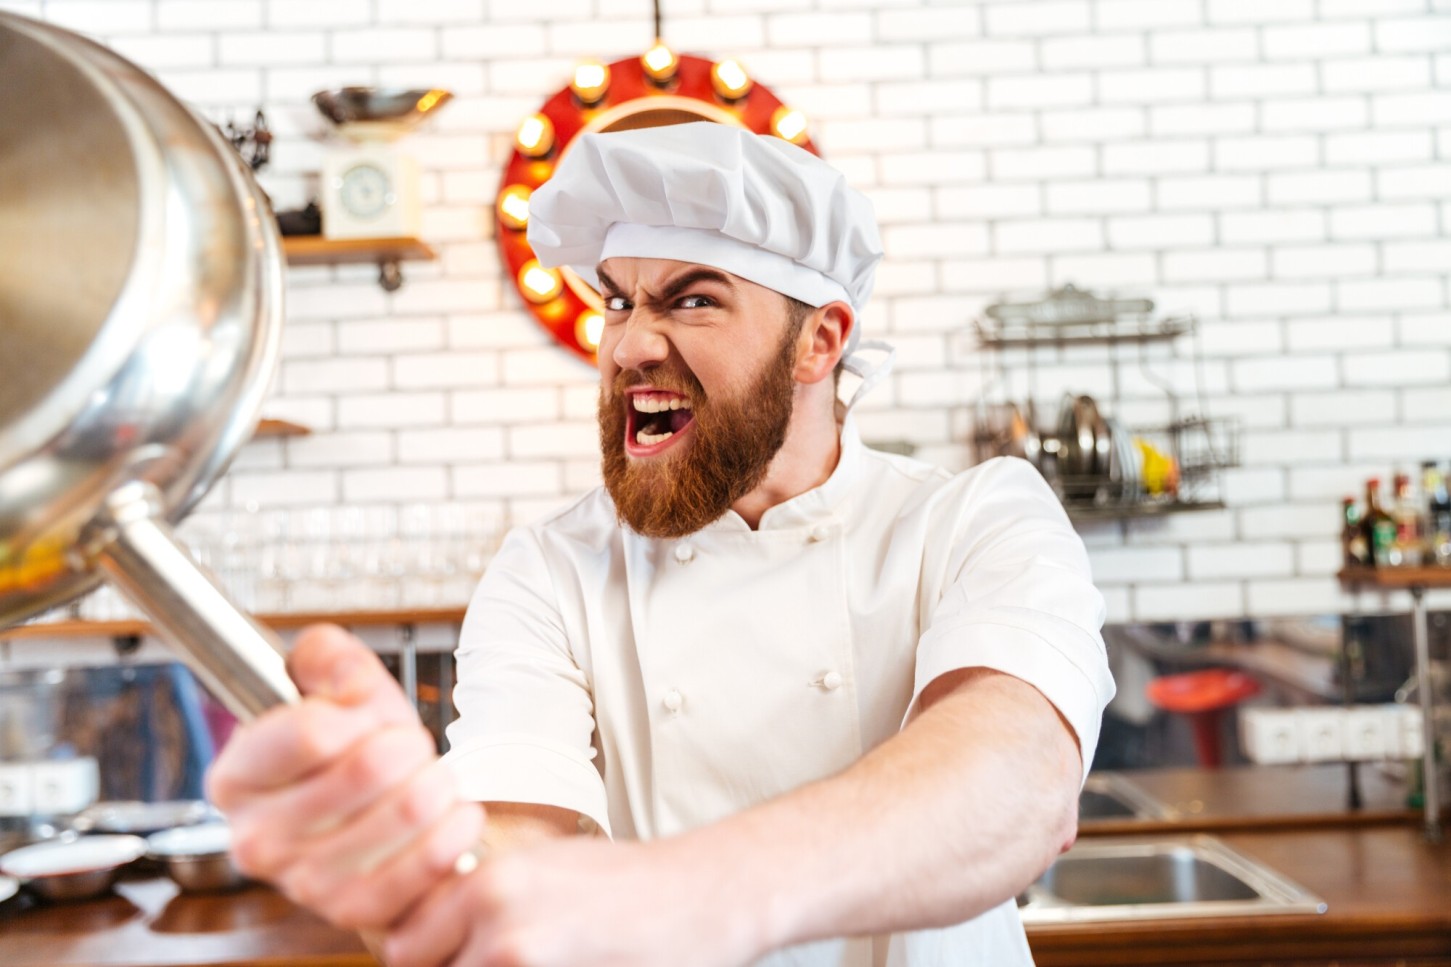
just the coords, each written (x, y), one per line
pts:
(819, 505)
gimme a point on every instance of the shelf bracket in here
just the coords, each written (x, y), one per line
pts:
(390, 275)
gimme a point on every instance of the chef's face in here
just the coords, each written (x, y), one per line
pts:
(696, 390)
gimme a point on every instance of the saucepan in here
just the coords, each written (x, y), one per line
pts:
(140, 315)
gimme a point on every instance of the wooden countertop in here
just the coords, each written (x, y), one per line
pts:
(1388, 890)
(1388, 893)
(150, 923)
(1262, 797)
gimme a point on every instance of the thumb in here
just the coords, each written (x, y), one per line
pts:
(329, 663)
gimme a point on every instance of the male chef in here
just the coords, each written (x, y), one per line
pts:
(768, 696)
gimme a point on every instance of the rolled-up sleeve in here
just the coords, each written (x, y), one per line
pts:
(1020, 599)
(526, 719)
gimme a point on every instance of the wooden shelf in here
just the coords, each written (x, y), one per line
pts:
(1133, 510)
(1396, 578)
(277, 622)
(317, 250)
(386, 253)
(279, 428)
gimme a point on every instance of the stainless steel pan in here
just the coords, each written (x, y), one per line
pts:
(140, 309)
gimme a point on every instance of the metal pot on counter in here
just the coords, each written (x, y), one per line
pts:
(140, 316)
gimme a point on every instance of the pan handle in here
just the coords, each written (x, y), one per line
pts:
(235, 657)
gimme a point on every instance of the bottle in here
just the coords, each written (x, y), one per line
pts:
(1352, 536)
(1406, 512)
(1437, 548)
(1379, 529)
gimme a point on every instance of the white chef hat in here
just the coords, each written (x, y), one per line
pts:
(753, 205)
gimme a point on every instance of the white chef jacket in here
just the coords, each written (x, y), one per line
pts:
(657, 685)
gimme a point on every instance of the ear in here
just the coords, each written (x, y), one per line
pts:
(822, 341)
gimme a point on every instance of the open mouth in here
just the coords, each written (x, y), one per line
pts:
(655, 419)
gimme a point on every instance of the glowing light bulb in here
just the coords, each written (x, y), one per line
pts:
(660, 63)
(789, 124)
(538, 283)
(730, 80)
(431, 100)
(591, 82)
(536, 136)
(588, 329)
(514, 207)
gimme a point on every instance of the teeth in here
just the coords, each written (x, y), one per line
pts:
(658, 404)
(650, 439)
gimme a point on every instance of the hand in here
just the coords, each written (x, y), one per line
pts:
(583, 903)
(340, 799)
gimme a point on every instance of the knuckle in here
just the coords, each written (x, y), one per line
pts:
(314, 737)
(373, 764)
(423, 801)
(250, 850)
(359, 909)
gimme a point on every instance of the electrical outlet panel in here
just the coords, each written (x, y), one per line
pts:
(1330, 733)
(15, 789)
(57, 787)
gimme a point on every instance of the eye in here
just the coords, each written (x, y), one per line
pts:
(616, 303)
(696, 302)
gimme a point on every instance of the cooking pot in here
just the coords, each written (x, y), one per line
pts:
(140, 315)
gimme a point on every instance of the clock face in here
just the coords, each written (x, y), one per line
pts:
(365, 190)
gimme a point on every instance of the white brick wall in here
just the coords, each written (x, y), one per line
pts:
(1280, 167)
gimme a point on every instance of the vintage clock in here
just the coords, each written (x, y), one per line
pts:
(370, 185)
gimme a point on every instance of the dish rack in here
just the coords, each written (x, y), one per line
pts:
(1100, 467)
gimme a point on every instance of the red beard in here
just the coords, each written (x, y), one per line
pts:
(733, 443)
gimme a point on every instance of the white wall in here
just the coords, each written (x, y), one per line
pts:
(1282, 168)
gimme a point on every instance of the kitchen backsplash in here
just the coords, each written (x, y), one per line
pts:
(1280, 169)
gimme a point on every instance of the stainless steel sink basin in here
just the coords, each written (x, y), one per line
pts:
(1110, 795)
(1182, 876)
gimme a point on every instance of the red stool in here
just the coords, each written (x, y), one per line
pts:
(1203, 696)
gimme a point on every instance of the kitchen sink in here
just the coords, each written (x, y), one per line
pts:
(1181, 876)
(1109, 795)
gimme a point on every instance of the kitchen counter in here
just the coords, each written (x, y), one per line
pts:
(1387, 889)
(148, 922)
(1262, 797)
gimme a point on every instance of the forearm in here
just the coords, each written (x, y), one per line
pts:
(957, 813)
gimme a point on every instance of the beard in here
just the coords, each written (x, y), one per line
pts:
(733, 442)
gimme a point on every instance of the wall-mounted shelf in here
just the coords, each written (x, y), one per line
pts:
(386, 253)
(1102, 470)
(1396, 578)
(1417, 580)
(278, 622)
(279, 428)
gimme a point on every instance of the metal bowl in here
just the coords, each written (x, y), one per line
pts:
(142, 818)
(198, 858)
(391, 105)
(72, 868)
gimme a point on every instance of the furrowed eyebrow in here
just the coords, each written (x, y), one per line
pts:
(677, 285)
(685, 280)
(607, 283)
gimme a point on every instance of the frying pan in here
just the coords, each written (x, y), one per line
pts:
(140, 315)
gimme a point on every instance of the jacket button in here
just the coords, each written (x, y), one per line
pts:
(673, 700)
(684, 553)
(820, 533)
(831, 681)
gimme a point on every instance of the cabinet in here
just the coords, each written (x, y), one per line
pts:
(1103, 465)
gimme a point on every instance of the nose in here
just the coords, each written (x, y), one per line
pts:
(643, 344)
